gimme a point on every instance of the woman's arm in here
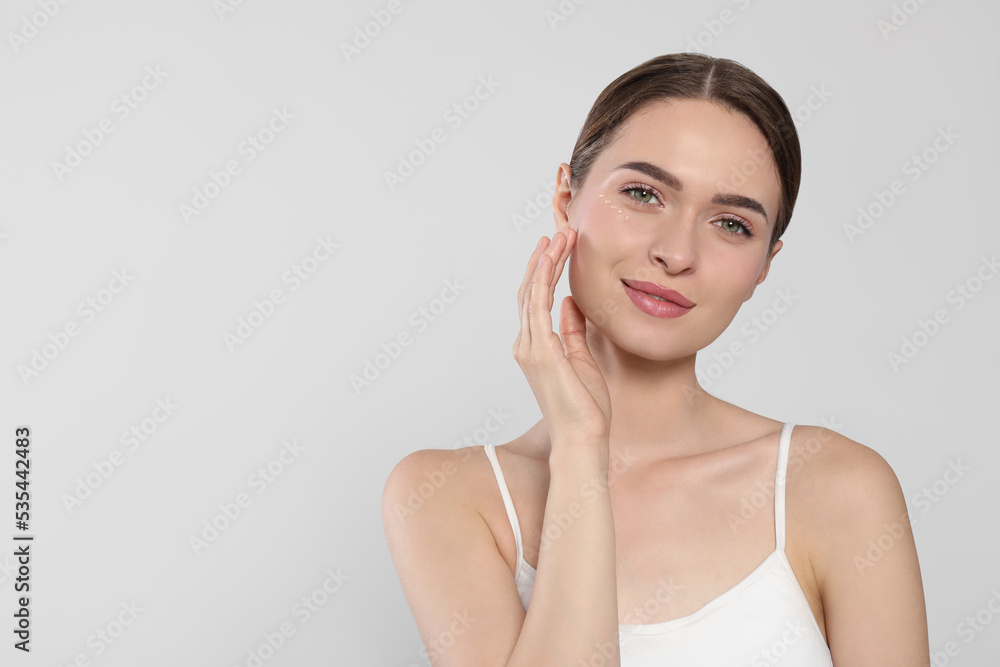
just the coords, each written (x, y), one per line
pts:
(461, 591)
(865, 558)
(446, 556)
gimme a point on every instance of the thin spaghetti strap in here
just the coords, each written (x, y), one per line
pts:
(780, 474)
(508, 503)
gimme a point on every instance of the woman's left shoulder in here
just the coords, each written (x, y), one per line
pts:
(840, 466)
(854, 542)
(842, 492)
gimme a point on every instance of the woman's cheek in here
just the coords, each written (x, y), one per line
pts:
(576, 287)
(615, 212)
(578, 268)
(586, 264)
(599, 247)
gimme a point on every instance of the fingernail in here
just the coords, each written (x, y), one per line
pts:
(539, 244)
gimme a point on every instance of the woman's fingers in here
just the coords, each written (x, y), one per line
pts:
(537, 291)
(543, 338)
(573, 330)
(539, 315)
(564, 255)
(555, 252)
(524, 291)
(530, 269)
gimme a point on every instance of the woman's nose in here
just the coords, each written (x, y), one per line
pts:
(675, 244)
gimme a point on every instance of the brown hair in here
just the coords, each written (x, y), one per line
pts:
(695, 76)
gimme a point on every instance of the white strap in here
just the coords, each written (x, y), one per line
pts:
(507, 502)
(784, 444)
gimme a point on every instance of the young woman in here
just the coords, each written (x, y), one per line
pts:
(644, 521)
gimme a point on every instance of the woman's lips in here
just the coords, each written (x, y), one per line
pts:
(643, 293)
(662, 292)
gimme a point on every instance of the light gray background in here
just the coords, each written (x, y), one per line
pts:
(824, 361)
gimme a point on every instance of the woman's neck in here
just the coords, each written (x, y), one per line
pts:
(658, 409)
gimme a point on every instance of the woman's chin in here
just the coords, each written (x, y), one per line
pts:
(654, 346)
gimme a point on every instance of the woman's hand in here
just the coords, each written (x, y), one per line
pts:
(563, 375)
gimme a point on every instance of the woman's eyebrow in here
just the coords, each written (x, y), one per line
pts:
(671, 181)
(651, 170)
(740, 201)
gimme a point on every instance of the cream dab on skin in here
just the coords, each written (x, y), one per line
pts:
(608, 201)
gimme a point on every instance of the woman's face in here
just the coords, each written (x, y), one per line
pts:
(674, 201)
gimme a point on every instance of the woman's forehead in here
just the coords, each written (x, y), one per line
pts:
(681, 118)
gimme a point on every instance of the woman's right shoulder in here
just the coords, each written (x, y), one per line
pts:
(439, 509)
(434, 478)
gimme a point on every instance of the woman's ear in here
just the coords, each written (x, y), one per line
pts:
(562, 198)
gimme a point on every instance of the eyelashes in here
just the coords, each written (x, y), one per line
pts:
(728, 218)
(650, 193)
(645, 190)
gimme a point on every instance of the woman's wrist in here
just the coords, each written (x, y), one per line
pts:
(579, 451)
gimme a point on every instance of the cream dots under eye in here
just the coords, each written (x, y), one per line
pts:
(608, 201)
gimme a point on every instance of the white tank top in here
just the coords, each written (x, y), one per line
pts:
(763, 620)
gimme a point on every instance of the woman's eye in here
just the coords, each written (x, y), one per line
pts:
(733, 226)
(642, 195)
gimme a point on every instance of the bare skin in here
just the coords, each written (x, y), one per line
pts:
(678, 461)
(715, 552)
